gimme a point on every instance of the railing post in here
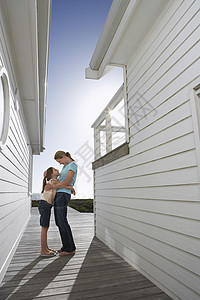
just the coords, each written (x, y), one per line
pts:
(126, 106)
(97, 143)
(108, 132)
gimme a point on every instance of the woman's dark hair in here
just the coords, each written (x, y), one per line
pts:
(47, 177)
(60, 154)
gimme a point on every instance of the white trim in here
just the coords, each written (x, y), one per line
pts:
(126, 106)
(107, 128)
(113, 20)
(112, 31)
(6, 119)
(195, 108)
(111, 105)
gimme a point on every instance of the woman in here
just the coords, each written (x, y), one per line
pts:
(62, 198)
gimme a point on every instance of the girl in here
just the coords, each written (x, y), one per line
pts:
(45, 205)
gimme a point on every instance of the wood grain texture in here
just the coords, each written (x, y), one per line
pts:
(94, 272)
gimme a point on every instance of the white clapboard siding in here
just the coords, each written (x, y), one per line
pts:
(169, 28)
(9, 210)
(12, 166)
(14, 188)
(179, 161)
(170, 238)
(173, 208)
(14, 160)
(150, 269)
(147, 203)
(19, 139)
(180, 81)
(170, 178)
(12, 197)
(15, 224)
(181, 225)
(151, 243)
(7, 175)
(178, 192)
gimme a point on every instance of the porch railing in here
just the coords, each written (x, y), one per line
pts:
(110, 128)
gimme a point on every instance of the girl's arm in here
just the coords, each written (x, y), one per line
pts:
(55, 181)
(62, 184)
(69, 187)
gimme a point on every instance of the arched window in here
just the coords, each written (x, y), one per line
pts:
(4, 107)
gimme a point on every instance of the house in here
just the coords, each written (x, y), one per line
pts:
(147, 147)
(24, 47)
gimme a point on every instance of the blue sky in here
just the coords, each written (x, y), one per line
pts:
(73, 102)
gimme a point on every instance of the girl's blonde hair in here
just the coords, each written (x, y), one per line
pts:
(47, 177)
(60, 154)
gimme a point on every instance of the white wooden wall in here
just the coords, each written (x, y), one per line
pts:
(148, 203)
(15, 164)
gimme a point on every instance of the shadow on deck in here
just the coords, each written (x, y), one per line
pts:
(94, 272)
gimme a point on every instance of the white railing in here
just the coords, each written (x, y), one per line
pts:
(110, 128)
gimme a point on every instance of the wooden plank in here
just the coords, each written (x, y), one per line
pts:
(94, 271)
(162, 279)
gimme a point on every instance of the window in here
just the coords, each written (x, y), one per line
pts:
(4, 107)
(111, 130)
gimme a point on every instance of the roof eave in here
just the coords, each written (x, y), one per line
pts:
(116, 13)
(125, 29)
(44, 20)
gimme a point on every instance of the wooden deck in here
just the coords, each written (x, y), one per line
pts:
(94, 272)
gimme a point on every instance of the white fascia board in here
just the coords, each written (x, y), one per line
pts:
(94, 74)
(115, 15)
(91, 74)
(113, 20)
(118, 17)
(44, 20)
(117, 37)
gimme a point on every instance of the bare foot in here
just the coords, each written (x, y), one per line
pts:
(64, 253)
(58, 251)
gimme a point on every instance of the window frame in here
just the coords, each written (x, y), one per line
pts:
(121, 150)
(6, 111)
(195, 109)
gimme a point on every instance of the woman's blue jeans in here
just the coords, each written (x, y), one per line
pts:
(60, 212)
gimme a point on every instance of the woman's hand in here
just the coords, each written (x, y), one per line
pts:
(73, 191)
